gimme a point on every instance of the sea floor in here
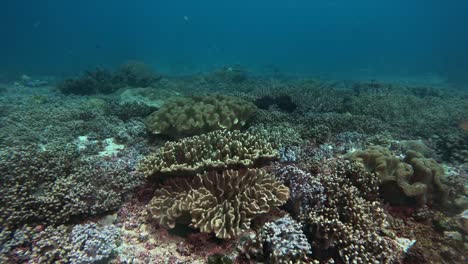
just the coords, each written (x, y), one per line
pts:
(100, 139)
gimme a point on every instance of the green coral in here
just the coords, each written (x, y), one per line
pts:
(190, 116)
(220, 202)
(214, 150)
(416, 177)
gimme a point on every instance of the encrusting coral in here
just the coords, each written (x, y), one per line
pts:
(220, 202)
(416, 177)
(200, 114)
(214, 150)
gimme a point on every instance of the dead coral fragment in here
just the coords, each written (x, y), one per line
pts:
(222, 203)
(200, 114)
(214, 150)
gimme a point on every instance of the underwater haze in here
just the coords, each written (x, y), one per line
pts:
(202, 131)
(335, 38)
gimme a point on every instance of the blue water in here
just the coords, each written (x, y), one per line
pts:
(327, 37)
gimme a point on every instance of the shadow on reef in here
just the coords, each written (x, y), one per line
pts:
(102, 81)
(283, 102)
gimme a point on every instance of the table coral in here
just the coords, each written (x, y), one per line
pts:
(220, 202)
(214, 150)
(199, 114)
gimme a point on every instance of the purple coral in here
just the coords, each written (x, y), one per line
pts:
(306, 191)
(93, 243)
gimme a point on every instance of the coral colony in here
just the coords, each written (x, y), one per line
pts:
(131, 166)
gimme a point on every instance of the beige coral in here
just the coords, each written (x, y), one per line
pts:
(220, 202)
(200, 114)
(214, 150)
(416, 176)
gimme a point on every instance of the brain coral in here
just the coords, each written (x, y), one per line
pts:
(220, 202)
(416, 177)
(214, 150)
(199, 114)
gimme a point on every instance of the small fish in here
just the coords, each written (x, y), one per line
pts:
(36, 24)
(186, 18)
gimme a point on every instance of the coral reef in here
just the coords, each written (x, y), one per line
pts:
(214, 150)
(280, 135)
(92, 243)
(348, 227)
(279, 242)
(91, 82)
(283, 102)
(220, 202)
(136, 74)
(306, 191)
(200, 114)
(82, 243)
(55, 185)
(416, 177)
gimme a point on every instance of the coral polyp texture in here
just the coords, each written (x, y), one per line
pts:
(214, 150)
(415, 177)
(307, 191)
(223, 203)
(200, 114)
(279, 242)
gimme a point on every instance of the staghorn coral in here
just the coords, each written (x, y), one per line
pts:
(220, 202)
(417, 177)
(280, 241)
(348, 227)
(214, 150)
(199, 114)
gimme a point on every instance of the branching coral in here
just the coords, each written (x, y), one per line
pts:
(200, 114)
(417, 177)
(56, 185)
(278, 242)
(220, 202)
(214, 150)
(306, 191)
(348, 227)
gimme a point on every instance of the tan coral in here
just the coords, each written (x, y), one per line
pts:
(416, 176)
(200, 114)
(220, 202)
(214, 150)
